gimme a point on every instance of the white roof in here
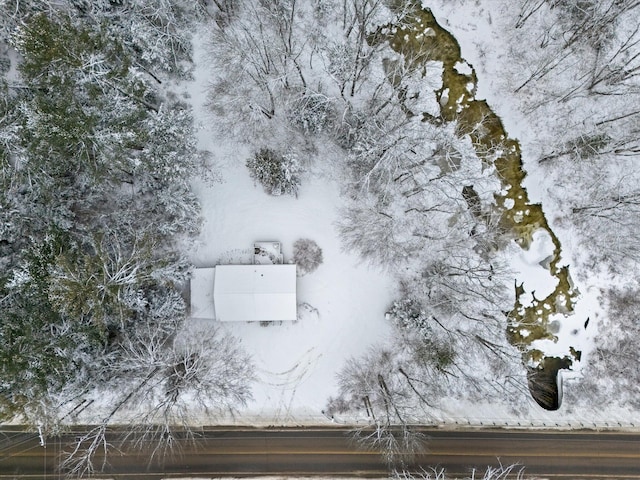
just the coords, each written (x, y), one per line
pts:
(202, 293)
(255, 293)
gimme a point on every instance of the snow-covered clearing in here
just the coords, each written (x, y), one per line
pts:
(297, 362)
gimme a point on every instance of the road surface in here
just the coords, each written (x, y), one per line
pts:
(328, 451)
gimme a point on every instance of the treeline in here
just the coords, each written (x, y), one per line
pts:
(96, 161)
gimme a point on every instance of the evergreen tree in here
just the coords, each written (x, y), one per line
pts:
(96, 168)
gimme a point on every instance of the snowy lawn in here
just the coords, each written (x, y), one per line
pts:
(346, 301)
(296, 362)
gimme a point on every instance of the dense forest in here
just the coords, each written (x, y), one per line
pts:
(97, 157)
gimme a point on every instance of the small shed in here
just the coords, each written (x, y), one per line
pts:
(255, 293)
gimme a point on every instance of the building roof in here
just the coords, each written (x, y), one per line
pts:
(255, 293)
(202, 293)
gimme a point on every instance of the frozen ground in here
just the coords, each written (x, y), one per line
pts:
(297, 363)
(346, 300)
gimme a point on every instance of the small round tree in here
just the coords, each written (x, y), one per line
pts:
(279, 174)
(307, 255)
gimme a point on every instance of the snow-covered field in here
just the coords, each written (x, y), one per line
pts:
(296, 363)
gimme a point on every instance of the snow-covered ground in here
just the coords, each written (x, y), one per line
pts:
(296, 362)
(485, 46)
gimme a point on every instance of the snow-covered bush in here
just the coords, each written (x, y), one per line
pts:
(349, 128)
(311, 113)
(432, 346)
(408, 313)
(307, 255)
(278, 173)
(340, 58)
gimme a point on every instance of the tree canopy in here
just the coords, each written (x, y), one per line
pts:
(97, 158)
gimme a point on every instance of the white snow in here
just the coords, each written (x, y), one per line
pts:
(202, 293)
(342, 303)
(255, 293)
(444, 98)
(463, 68)
(485, 46)
(344, 300)
(297, 363)
(421, 88)
(527, 264)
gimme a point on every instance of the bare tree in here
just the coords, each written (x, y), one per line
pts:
(398, 444)
(165, 377)
(269, 51)
(603, 204)
(80, 461)
(500, 472)
(580, 23)
(258, 52)
(610, 374)
(372, 383)
(359, 18)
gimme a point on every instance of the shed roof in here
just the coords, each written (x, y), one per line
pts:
(255, 293)
(202, 293)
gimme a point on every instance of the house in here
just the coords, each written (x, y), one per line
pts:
(255, 293)
(244, 293)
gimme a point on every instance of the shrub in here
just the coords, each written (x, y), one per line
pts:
(311, 113)
(307, 255)
(434, 347)
(409, 313)
(278, 174)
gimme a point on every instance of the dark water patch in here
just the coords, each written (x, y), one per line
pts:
(545, 383)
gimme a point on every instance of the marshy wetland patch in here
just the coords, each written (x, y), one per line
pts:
(420, 39)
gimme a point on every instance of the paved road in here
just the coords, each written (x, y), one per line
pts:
(244, 452)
